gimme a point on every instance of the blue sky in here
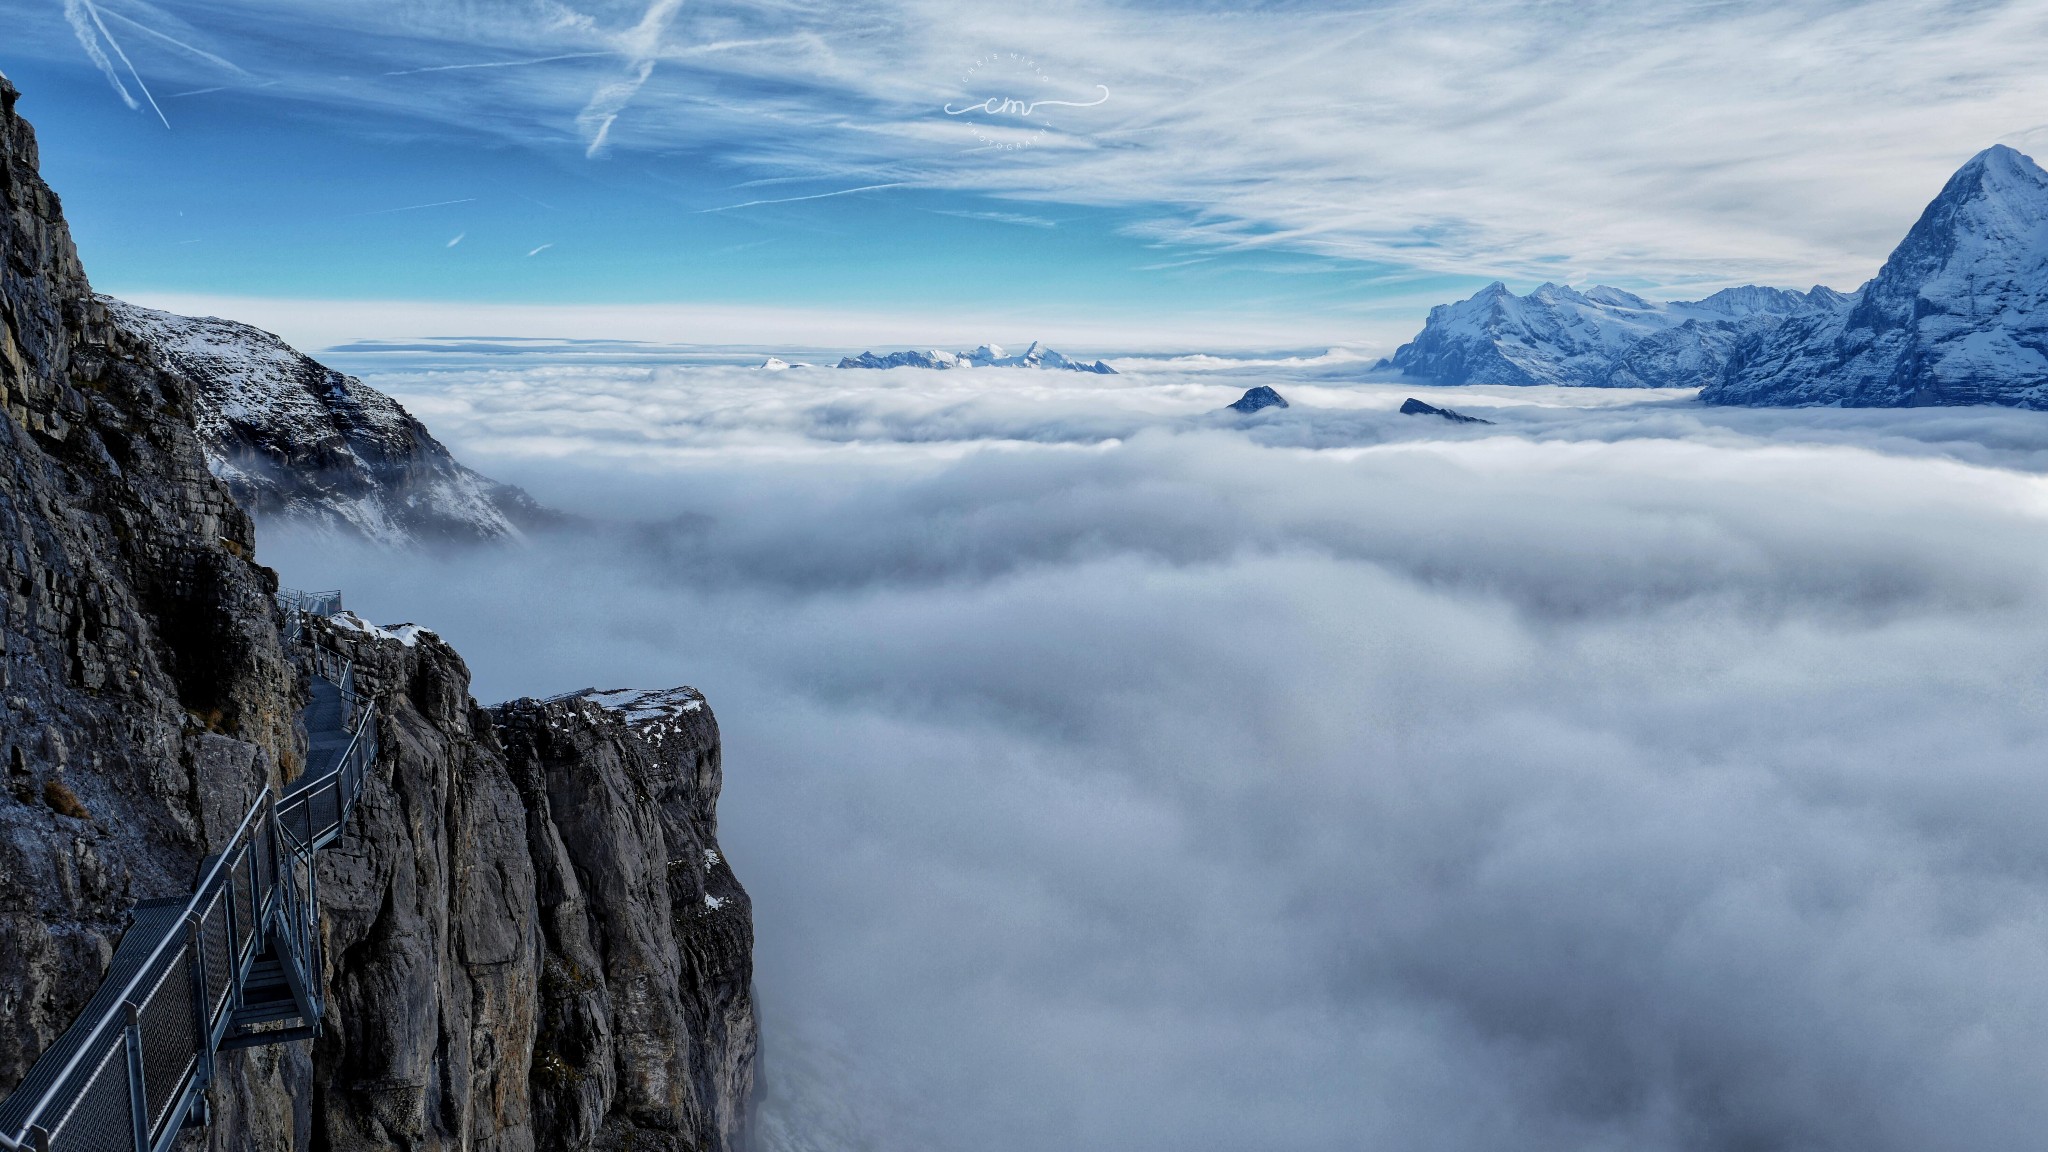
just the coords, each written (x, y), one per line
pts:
(1280, 175)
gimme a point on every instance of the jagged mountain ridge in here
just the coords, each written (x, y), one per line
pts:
(986, 356)
(1957, 315)
(297, 441)
(1600, 338)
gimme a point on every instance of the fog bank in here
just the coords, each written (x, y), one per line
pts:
(1112, 773)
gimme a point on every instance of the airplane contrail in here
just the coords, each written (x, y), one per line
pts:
(813, 196)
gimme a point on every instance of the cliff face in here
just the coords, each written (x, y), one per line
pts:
(146, 698)
(531, 941)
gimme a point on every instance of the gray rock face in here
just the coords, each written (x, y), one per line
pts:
(144, 698)
(297, 441)
(535, 941)
(648, 1033)
(1958, 314)
(530, 939)
(1601, 338)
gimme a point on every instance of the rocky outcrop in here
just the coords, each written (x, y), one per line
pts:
(648, 1031)
(1258, 399)
(531, 939)
(1958, 314)
(1414, 407)
(534, 939)
(297, 441)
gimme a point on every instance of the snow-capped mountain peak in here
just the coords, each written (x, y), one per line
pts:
(295, 440)
(985, 356)
(1602, 337)
(1957, 315)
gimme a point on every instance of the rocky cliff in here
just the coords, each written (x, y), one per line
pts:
(531, 938)
(146, 697)
(535, 940)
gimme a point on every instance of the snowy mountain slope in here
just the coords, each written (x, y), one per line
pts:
(1601, 338)
(297, 441)
(986, 356)
(1958, 314)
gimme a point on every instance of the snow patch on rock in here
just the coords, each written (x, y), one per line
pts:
(297, 441)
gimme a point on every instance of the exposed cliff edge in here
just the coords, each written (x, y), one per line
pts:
(295, 440)
(536, 941)
(532, 940)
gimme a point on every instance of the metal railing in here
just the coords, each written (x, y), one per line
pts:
(135, 1065)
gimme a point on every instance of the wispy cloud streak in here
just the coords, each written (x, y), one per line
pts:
(417, 207)
(812, 196)
(80, 13)
(496, 64)
(641, 47)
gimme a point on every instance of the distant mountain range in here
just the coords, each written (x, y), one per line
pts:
(295, 440)
(986, 356)
(1958, 315)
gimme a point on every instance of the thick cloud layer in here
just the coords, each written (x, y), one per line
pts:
(1113, 774)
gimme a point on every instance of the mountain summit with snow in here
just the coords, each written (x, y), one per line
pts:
(296, 441)
(1957, 315)
(986, 356)
(1600, 338)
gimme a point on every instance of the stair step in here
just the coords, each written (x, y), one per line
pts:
(266, 1013)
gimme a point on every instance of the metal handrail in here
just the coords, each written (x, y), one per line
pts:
(95, 1039)
(261, 866)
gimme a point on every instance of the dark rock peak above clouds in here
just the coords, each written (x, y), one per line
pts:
(295, 440)
(986, 356)
(1414, 407)
(1259, 398)
(1957, 315)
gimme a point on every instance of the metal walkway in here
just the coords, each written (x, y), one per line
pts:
(234, 964)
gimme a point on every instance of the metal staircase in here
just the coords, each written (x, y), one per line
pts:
(234, 964)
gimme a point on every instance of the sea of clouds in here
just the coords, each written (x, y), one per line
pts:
(1109, 772)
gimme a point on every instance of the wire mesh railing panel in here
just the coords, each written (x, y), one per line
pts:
(323, 806)
(103, 1119)
(213, 941)
(188, 955)
(296, 820)
(170, 1043)
(266, 857)
(245, 907)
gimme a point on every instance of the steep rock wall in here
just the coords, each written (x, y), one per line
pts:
(476, 907)
(532, 938)
(144, 698)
